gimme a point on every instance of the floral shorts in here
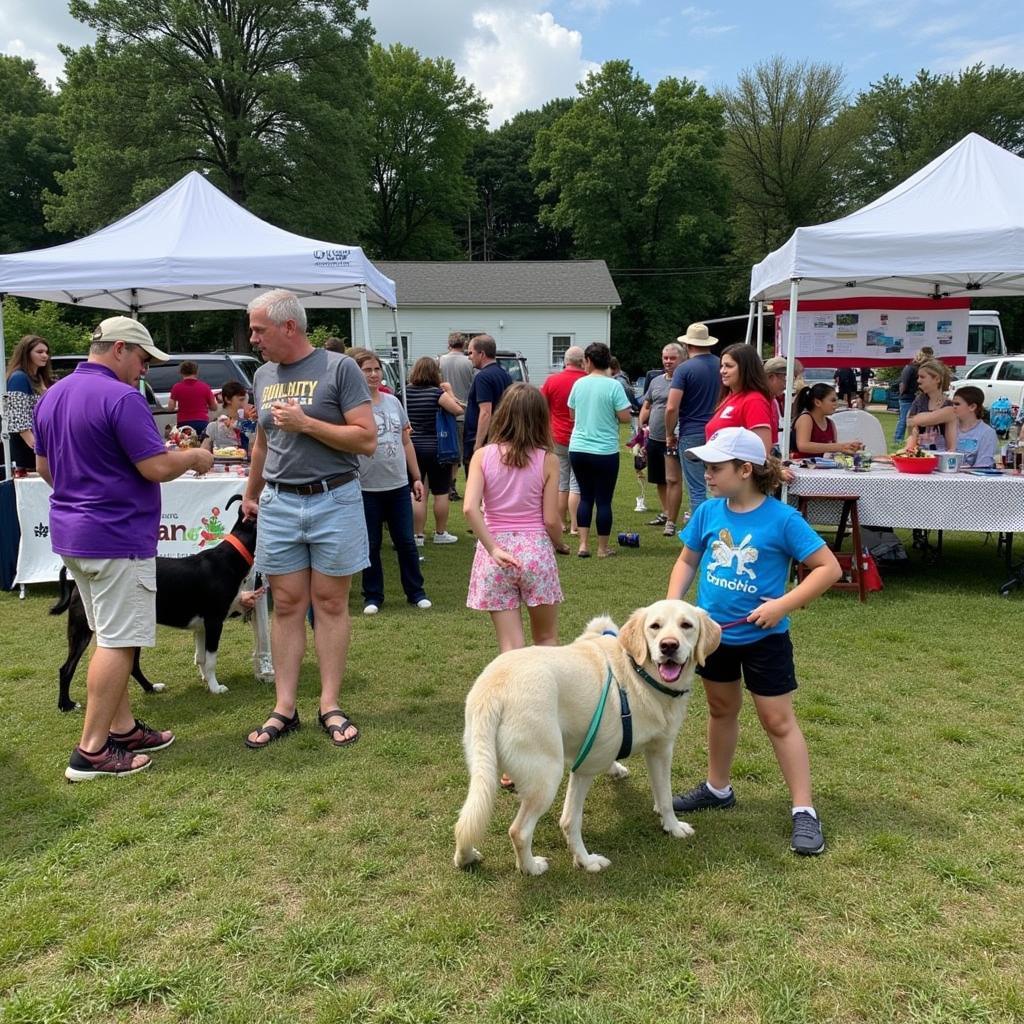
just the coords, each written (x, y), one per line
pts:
(535, 582)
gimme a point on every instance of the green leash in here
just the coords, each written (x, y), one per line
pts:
(595, 722)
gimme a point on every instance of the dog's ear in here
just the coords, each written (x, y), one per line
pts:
(233, 499)
(631, 636)
(710, 637)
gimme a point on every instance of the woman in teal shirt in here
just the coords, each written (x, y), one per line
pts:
(597, 405)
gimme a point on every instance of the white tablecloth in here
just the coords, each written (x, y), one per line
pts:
(188, 522)
(938, 501)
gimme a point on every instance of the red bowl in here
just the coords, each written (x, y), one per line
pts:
(921, 466)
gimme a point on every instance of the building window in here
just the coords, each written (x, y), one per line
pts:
(406, 342)
(560, 344)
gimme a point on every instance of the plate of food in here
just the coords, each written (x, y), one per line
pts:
(228, 454)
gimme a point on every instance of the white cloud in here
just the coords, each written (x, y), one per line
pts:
(879, 15)
(33, 29)
(513, 51)
(701, 23)
(958, 52)
(520, 61)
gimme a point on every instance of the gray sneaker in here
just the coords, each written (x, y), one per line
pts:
(701, 799)
(808, 839)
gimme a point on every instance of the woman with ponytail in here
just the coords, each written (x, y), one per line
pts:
(814, 433)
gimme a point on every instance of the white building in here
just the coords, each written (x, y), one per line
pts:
(538, 309)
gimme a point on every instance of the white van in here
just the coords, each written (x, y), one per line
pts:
(984, 338)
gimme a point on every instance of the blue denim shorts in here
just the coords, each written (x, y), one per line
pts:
(325, 532)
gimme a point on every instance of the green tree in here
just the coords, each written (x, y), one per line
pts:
(266, 96)
(896, 127)
(786, 153)
(424, 120)
(634, 174)
(49, 321)
(506, 221)
(33, 152)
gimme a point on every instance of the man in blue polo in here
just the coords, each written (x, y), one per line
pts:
(485, 392)
(98, 447)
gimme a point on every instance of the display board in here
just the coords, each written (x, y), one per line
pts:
(874, 331)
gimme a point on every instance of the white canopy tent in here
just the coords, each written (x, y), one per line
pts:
(953, 229)
(193, 248)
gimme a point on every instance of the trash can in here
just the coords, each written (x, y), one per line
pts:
(879, 394)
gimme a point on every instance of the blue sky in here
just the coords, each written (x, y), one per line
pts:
(521, 53)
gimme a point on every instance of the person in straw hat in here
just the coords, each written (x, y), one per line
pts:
(691, 402)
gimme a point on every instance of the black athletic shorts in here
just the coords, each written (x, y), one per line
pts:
(766, 665)
(656, 457)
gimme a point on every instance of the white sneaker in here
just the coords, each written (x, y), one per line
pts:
(424, 603)
(419, 540)
(670, 529)
(370, 609)
(445, 538)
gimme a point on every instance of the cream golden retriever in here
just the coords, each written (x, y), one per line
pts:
(529, 712)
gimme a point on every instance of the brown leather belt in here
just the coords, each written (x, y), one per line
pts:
(319, 486)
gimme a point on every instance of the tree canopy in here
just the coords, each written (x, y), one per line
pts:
(266, 96)
(424, 120)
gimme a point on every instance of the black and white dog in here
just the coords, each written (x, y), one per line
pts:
(198, 593)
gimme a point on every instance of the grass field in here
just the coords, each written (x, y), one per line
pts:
(304, 883)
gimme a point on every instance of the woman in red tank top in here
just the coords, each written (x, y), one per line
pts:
(813, 432)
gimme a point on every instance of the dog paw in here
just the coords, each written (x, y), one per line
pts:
(593, 862)
(679, 830)
(535, 866)
(618, 771)
(467, 858)
(217, 688)
(159, 687)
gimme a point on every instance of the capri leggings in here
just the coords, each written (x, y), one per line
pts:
(596, 475)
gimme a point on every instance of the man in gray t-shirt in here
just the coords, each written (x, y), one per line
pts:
(457, 370)
(314, 418)
(663, 469)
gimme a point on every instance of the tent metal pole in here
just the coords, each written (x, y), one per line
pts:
(364, 314)
(787, 409)
(750, 325)
(760, 326)
(401, 352)
(5, 433)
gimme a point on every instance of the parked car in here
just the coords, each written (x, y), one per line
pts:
(997, 378)
(514, 364)
(63, 365)
(215, 369)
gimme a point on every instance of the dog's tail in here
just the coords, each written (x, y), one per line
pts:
(599, 626)
(483, 715)
(64, 597)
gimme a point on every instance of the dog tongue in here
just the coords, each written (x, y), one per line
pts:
(669, 672)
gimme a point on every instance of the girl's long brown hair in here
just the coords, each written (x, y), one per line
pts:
(520, 425)
(20, 361)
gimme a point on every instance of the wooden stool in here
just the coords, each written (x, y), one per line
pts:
(848, 514)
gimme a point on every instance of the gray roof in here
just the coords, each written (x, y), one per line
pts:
(549, 283)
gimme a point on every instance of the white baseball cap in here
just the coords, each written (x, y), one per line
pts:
(124, 328)
(730, 443)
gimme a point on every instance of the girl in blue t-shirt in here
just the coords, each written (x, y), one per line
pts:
(739, 544)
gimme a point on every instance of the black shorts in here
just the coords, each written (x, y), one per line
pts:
(436, 476)
(766, 665)
(656, 456)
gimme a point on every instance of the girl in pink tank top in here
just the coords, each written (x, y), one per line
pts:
(511, 504)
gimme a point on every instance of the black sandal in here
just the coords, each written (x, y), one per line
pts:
(336, 730)
(287, 725)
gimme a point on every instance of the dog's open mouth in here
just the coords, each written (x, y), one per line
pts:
(669, 671)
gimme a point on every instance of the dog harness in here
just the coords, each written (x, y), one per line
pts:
(595, 722)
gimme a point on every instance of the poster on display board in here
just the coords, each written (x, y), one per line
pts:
(194, 516)
(874, 331)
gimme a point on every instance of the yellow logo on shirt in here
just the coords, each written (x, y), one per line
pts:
(301, 390)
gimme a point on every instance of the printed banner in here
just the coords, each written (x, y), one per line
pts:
(194, 517)
(874, 332)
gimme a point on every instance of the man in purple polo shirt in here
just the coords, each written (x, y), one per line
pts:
(98, 447)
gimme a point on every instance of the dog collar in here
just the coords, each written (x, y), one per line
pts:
(651, 681)
(230, 538)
